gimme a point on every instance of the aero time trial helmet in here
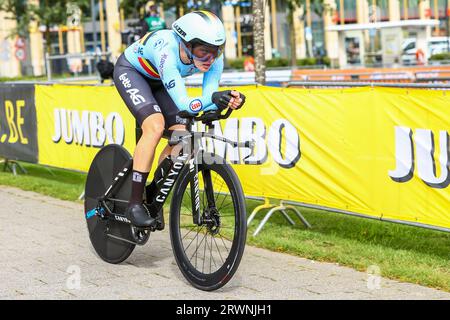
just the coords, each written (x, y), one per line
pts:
(201, 28)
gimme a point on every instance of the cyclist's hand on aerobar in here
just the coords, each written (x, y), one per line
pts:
(228, 99)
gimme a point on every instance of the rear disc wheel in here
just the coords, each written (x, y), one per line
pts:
(108, 162)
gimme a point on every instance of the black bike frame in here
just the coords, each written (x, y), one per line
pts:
(180, 162)
(156, 204)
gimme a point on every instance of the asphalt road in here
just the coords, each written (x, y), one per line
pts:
(46, 254)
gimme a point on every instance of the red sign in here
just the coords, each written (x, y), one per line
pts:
(20, 54)
(428, 12)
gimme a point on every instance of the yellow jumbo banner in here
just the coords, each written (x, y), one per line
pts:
(74, 122)
(376, 151)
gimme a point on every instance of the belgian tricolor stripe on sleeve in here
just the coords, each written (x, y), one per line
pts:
(148, 67)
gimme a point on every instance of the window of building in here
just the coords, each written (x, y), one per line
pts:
(381, 11)
(409, 9)
(438, 11)
(246, 20)
(318, 35)
(383, 7)
(349, 9)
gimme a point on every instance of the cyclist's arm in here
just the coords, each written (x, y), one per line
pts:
(174, 83)
(211, 81)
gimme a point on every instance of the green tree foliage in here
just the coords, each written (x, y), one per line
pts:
(48, 13)
(18, 10)
(133, 7)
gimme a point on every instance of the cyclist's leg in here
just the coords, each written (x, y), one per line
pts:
(137, 95)
(152, 130)
(173, 121)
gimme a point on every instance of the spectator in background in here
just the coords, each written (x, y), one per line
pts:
(249, 63)
(420, 57)
(152, 20)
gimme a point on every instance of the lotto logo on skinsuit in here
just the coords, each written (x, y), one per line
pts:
(196, 105)
(125, 81)
(134, 96)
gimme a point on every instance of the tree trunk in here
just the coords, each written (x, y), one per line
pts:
(258, 41)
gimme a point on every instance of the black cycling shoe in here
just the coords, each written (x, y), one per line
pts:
(139, 216)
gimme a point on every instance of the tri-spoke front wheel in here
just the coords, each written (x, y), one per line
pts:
(209, 253)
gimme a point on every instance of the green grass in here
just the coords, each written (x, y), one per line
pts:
(401, 252)
(61, 184)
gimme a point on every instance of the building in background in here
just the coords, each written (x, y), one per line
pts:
(341, 30)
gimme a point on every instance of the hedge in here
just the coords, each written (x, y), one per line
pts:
(280, 62)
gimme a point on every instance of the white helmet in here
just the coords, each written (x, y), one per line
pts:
(202, 27)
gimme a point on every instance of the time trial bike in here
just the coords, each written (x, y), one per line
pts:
(207, 219)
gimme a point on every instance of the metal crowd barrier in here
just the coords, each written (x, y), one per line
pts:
(339, 84)
(281, 205)
(81, 63)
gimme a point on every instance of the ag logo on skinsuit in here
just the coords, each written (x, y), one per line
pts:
(170, 85)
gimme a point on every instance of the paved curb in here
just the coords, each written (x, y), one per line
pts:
(46, 247)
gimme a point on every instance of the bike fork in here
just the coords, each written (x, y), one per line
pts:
(195, 192)
(198, 219)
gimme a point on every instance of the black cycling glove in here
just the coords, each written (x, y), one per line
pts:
(222, 98)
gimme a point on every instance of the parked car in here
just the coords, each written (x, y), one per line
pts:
(435, 45)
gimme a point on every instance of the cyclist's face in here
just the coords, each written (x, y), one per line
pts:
(204, 56)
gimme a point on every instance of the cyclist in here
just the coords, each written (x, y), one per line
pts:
(148, 77)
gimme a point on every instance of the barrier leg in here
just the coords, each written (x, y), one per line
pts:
(283, 211)
(299, 215)
(263, 222)
(12, 165)
(266, 205)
